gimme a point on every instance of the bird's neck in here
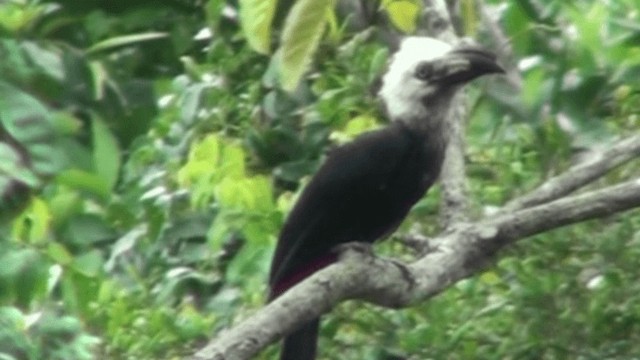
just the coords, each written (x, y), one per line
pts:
(431, 122)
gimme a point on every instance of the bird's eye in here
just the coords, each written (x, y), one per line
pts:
(424, 71)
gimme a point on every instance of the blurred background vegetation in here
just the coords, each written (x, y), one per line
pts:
(149, 152)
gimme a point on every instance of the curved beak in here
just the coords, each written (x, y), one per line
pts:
(467, 63)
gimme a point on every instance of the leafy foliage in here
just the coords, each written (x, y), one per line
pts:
(300, 37)
(148, 156)
(256, 18)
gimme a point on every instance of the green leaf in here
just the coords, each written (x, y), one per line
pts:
(85, 230)
(203, 156)
(232, 161)
(255, 18)
(378, 63)
(87, 182)
(589, 26)
(66, 202)
(118, 41)
(106, 154)
(231, 193)
(210, 161)
(89, 263)
(301, 36)
(249, 194)
(79, 292)
(29, 122)
(220, 229)
(355, 127)
(33, 225)
(100, 78)
(403, 14)
(18, 15)
(59, 253)
(12, 169)
(50, 62)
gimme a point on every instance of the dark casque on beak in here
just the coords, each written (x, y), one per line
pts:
(469, 62)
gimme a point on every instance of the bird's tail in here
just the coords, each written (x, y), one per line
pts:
(301, 344)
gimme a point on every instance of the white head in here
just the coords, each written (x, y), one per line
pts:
(424, 68)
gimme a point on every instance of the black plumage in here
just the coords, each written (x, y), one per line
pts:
(365, 188)
(362, 192)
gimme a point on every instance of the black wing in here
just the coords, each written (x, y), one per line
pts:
(361, 193)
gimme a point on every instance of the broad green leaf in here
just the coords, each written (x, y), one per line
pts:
(50, 62)
(29, 122)
(247, 207)
(220, 229)
(301, 36)
(17, 15)
(31, 283)
(106, 153)
(209, 149)
(192, 226)
(251, 260)
(233, 193)
(89, 263)
(203, 156)
(262, 192)
(124, 244)
(66, 202)
(232, 164)
(256, 17)
(86, 229)
(124, 40)
(33, 225)
(87, 182)
(259, 230)
(360, 124)
(12, 318)
(79, 291)
(40, 220)
(403, 14)
(249, 194)
(59, 253)
(590, 27)
(66, 123)
(12, 169)
(210, 161)
(355, 127)
(378, 63)
(16, 261)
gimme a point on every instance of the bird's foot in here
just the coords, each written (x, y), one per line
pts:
(360, 248)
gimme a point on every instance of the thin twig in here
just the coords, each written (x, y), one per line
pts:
(502, 44)
(580, 175)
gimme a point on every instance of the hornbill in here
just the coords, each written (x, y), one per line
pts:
(365, 188)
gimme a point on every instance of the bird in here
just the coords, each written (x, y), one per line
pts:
(366, 187)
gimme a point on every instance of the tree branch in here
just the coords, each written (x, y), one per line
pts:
(436, 22)
(502, 45)
(462, 251)
(580, 175)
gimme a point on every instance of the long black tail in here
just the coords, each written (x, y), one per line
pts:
(302, 343)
